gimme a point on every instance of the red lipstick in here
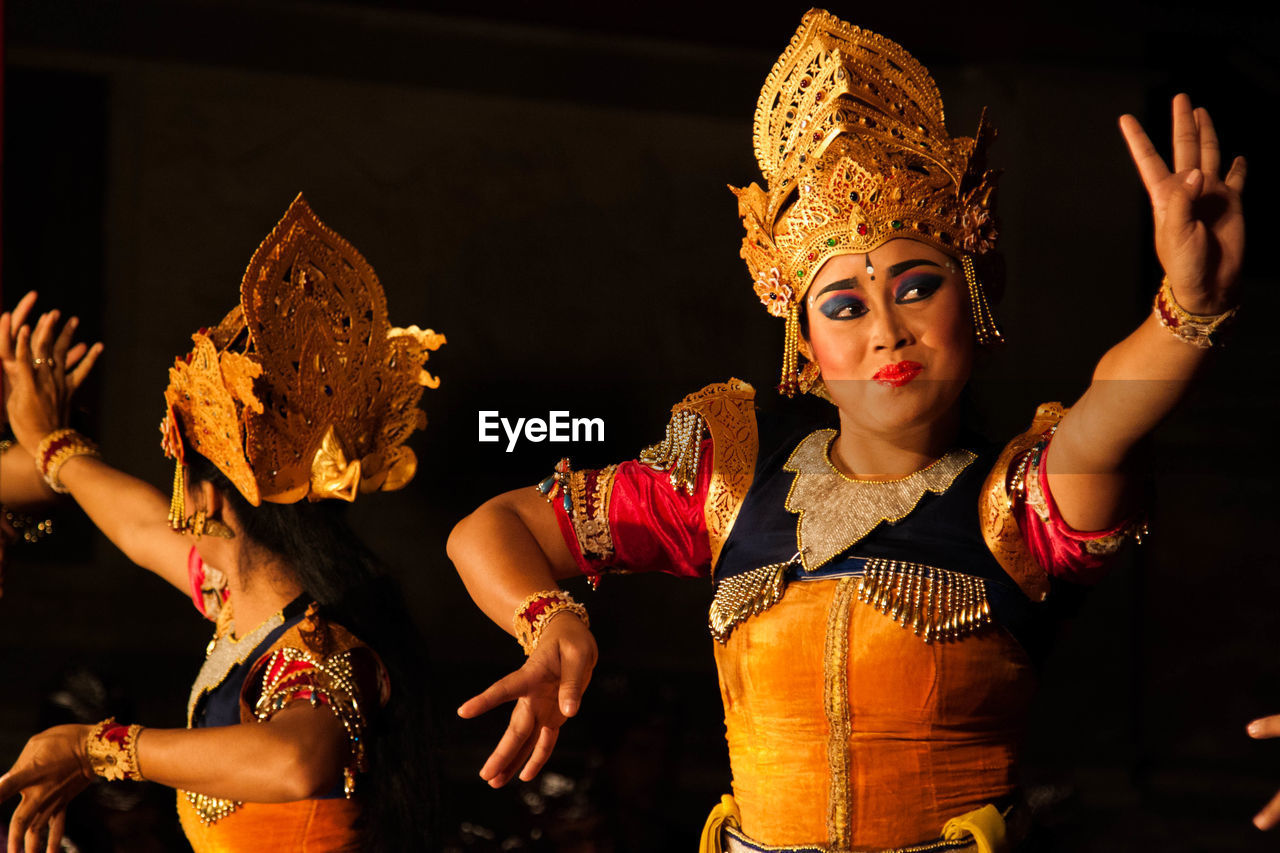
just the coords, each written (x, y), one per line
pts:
(898, 373)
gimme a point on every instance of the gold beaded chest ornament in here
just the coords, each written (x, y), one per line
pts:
(851, 139)
(304, 390)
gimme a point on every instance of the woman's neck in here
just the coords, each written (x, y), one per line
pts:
(260, 595)
(865, 454)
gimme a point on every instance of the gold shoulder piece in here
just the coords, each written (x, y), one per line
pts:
(995, 510)
(727, 411)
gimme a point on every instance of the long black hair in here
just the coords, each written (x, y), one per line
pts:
(321, 552)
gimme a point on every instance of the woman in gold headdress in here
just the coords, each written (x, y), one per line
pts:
(306, 725)
(883, 588)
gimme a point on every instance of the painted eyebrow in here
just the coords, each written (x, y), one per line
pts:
(850, 283)
(901, 267)
(897, 269)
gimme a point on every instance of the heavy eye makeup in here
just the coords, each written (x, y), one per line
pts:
(843, 306)
(914, 288)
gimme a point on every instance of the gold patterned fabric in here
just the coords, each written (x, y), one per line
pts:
(836, 512)
(304, 390)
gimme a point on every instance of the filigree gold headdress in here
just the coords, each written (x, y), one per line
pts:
(304, 390)
(851, 140)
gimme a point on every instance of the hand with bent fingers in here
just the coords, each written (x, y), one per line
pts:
(1267, 727)
(42, 371)
(51, 770)
(1199, 221)
(547, 691)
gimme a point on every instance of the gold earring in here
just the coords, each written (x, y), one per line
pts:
(197, 524)
(178, 502)
(984, 323)
(218, 529)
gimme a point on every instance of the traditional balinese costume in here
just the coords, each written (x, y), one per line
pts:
(304, 390)
(876, 641)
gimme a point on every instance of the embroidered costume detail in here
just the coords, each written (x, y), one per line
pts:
(555, 486)
(224, 653)
(304, 390)
(1199, 330)
(726, 410)
(112, 750)
(295, 674)
(935, 604)
(835, 700)
(996, 513)
(680, 450)
(739, 597)
(1027, 484)
(836, 512)
(590, 492)
(56, 449)
(537, 610)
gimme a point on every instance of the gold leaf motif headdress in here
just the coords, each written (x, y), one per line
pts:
(852, 142)
(304, 390)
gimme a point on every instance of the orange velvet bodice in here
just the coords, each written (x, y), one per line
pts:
(871, 737)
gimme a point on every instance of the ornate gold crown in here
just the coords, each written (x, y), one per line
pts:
(304, 389)
(851, 139)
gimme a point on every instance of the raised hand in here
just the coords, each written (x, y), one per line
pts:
(547, 691)
(51, 770)
(1199, 222)
(42, 371)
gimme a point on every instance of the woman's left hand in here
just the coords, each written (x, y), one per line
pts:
(1199, 221)
(51, 770)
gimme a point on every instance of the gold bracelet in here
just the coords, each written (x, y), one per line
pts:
(56, 449)
(1199, 330)
(112, 749)
(537, 610)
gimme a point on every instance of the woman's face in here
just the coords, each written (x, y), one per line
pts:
(894, 341)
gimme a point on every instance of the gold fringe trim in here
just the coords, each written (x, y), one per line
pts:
(680, 450)
(935, 604)
(742, 596)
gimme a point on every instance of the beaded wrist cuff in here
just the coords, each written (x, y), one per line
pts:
(113, 750)
(55, 449)
(537, 610)
(1200, 330)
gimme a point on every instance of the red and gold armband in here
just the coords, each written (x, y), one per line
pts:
(56, 449)
(112, 749)
(1200, 330)
(537, 610)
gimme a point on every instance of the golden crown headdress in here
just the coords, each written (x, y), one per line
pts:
(851, 139)
(304, 390)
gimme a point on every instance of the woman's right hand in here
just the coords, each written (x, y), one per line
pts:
(42, 371)
(547, 691)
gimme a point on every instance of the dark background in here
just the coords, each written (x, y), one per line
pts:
(545, 184)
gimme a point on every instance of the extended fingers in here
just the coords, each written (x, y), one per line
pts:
(1186, 136)
(42, 337)
(1235, 178)
(1266, 727)
(505, 689)
(1269, 817)
(1151, 166)
(541, 753)
(23, 308)
(63, 342)
(515, 745)
(57, 828)
(81, 371)
(1210, 151)
(575, 675)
